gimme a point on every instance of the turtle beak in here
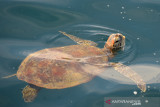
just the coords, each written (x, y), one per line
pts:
(115, 41)
(118, 42)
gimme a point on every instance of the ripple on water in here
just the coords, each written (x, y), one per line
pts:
(40, 15)
(100, 34)
(28, 20)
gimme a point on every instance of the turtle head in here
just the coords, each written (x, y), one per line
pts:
(115, 42)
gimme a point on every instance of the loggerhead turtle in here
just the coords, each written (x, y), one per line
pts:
(68, 66)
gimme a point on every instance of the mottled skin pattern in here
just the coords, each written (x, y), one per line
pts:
(62, 67)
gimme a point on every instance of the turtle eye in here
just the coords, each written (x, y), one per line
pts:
(116, 41)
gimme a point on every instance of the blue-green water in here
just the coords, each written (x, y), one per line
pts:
(29, 26)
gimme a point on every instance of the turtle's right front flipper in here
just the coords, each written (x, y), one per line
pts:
(129, 73)
(78, 40)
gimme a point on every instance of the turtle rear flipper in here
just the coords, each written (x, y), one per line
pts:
(10, 75)
(129, 73)
(30, 92)
(78, 40)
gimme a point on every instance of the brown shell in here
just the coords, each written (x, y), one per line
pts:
(62, 67)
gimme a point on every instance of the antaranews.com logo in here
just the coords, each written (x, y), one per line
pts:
(132, 102)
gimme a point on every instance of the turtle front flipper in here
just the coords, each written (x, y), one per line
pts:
(129, 73)
(78, 40)
(30, 92)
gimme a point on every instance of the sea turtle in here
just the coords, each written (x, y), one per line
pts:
(68, 66)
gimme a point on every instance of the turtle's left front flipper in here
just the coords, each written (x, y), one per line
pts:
(79, 40)
(129, 73)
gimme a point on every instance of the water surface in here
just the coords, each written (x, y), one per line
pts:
(32, 25)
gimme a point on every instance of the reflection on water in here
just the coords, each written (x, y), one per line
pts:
(31, 20)
(41, 16)
(150, 74)
(33, 14)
